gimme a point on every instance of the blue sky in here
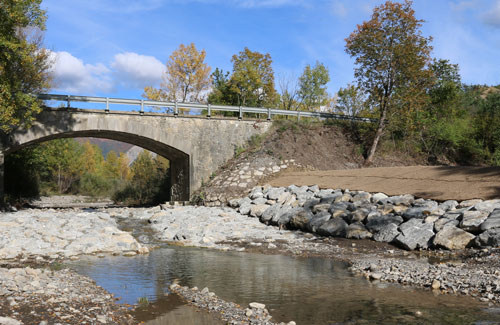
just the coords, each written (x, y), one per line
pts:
(117, 47)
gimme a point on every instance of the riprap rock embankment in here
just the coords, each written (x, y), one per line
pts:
(404, 220)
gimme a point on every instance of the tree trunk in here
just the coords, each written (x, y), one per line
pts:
(378, 134)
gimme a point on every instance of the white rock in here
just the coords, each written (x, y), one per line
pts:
(256, 305)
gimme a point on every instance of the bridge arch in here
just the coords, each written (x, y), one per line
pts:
(195, 146)
(179, 161)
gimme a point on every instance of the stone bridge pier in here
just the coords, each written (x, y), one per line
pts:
(195, 146)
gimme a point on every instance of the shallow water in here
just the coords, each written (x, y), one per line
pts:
(306, 290)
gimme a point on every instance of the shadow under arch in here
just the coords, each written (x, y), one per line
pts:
(179, 161)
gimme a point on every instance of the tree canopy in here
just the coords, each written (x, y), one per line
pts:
(312, 91)
(391, 57)
(24, 64)
(187, 77)
(252, 80)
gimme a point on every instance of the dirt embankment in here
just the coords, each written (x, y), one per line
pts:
(292, 147)
(326, 147)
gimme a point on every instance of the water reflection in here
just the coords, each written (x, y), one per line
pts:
(307, 290)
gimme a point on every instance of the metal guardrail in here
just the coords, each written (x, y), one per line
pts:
(176, 106)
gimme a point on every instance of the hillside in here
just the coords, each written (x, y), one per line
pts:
(106, 145)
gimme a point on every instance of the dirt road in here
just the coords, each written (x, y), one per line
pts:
(439, 183)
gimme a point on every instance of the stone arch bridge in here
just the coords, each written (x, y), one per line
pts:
(196, 146)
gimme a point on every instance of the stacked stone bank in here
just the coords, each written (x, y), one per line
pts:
(409, 222)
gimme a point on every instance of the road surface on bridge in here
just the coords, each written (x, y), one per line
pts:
(433, 182)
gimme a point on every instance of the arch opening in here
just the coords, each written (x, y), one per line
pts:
(179, 170)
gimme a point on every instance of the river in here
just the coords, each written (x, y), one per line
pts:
(306, 290)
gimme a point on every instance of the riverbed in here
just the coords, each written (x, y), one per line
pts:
(306, 290)
(298, 276)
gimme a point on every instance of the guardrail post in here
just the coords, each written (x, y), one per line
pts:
(269, 114)
(241, 114)
(68, 105)
(142, 107)
(176, 109)
(209, 111)
(298, 115)
(107, 105)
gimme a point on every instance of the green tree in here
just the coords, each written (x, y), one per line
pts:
(350, 100)
(24, 64)
(312, 91)
(252, 80)
(486, 123)
(446, 88)
(187, 77)
(391, 59)
(221, 89)
(61, 159)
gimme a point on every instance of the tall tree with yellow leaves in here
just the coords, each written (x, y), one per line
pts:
(186, 79)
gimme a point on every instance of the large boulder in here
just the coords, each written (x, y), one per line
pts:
(301, 219)
(387, 233)
(488, 205)
(359, 215)
(416, 212)
(357, 231)
(283, 210)
(321, 207)
(342, 205)
(493, 221)
(318, 220)
(443, 222)
(377, 223)
(275, 192)
(310, 203)
(415, 234)
(245, 206)
(451, 237)
(490, 237)
(472, 220)
(378, 197)
(406, 200)
(256, 210)
(361, 197)
(448, 205)
(285, 217)
(270, 212)
(256, 193)
(335, 227)
(330, 198)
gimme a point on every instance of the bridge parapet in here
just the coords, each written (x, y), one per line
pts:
(208, 109)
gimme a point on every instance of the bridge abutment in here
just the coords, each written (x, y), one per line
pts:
(179, 180)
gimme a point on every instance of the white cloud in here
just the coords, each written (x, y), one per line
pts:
(74, 76)
(338, 9)
(492, 17)
(132, 69)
